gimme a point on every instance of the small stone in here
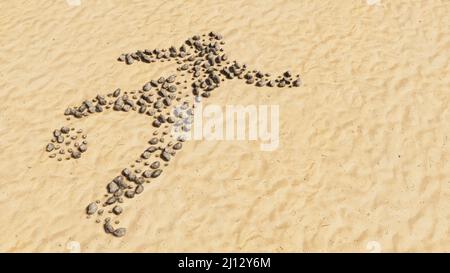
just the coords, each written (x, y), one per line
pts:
(139, 189)
(120, 232)
(155, 165)
(57, 133)
(126, 172)
(171, 79)
(165, 155)
(154, 141)
(60, 139)
(76, 154)
(129, 194)
(68, 112)
(108, 227)
(91, 208)
(98, 108)
(112, 187)
(129, 59)
(156, 173)
(147, 86)
(146, 155)
(82, 148)
(147, 174)
(177, 146)
(297, 83)
(50, 147)
(65, 130)
(116, 93)
(156, 123)
(111, 200)
(118, 193)
(117, 210)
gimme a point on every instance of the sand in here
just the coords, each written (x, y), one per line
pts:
(363, 162)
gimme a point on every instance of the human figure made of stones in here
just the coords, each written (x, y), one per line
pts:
(202, 66)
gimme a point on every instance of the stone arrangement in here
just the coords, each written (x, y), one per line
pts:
(202, 67)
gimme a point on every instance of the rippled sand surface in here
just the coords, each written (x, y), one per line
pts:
(364, 158)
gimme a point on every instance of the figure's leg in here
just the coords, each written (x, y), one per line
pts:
(152, 161)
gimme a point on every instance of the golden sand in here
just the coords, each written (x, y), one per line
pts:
(363, 163)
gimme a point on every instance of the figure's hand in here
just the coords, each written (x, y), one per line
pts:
(67, 143)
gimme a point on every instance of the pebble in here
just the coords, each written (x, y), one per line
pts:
(120, 232)
(65, 130)
(155, 165)
(108, 227)
(154, 141)
(146, 155)
(82, 148)
(147, 174)
(118, 193)
(60, 139)
(91, 208)
(112, 187)
(147, 86)
(111, 200)
(129, 194)
(156, 173)
(139, 189)
(117, 210)
(50, 147)
(297, 83)
(76, 154)
(165, 155)
(116, 93)
(177, 146)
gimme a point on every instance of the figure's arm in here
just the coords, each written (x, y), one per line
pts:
(260, 79)
(150, 56)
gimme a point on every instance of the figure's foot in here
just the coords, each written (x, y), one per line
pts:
(67, 143)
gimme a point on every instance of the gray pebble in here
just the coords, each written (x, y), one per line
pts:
(120, 232)
(60, 139)
(112, 187)
(139, 189)
(155, 165)
(111, 200)
(50, 147)
(65, 130)
(147, 174)
(91, 208)
(126, 172)
(108, 227)
(154, 141)
(165, 155)
(177, 146)
(82, 148)
(117, 210)
(116, 93)
(156, 173)
(76, 154)
(146, 155)
(129, 194)
(147, 86)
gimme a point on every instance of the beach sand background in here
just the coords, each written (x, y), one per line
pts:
(363, 163)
